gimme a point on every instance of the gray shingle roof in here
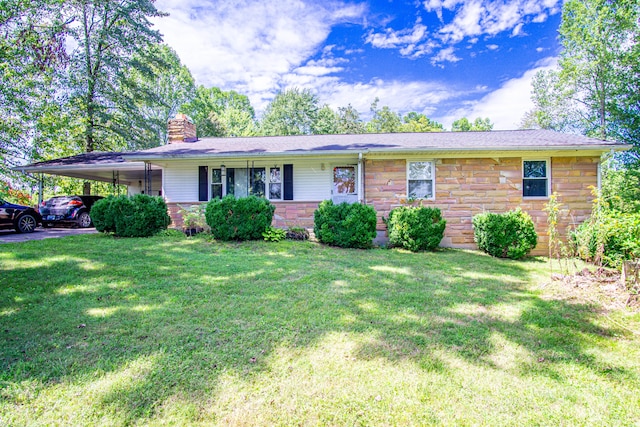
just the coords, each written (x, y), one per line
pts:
(517, 140)
(93, 158)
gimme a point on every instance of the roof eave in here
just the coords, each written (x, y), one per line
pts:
(44, 168)
(309, 153)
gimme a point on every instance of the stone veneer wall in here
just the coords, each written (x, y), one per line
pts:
(465, 187)
(287, 214)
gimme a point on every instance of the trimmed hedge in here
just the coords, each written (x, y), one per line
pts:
(102, 215)
(612, 237)
(345, 225)
(416, 228)
(508, 235)
(245, 218)
(137, 216)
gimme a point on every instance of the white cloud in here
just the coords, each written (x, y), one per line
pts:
(438, 5)
(505, 106)
(517, 30)
(488, 18)
(391, 38)
(492, 46)
(410, 41)
(248, 45)
(465, 24)
(400, 96)
(445, 55)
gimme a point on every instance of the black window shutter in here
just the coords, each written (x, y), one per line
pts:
(287, 171)
(203, 183)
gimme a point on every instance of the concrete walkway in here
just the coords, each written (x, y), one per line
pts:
(10, 236)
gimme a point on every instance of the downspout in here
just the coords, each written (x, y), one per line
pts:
(360, 179)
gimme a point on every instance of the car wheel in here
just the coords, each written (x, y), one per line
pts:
(26, 224)
(84, 220)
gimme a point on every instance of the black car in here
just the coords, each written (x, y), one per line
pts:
(67, 210)
(21, 218)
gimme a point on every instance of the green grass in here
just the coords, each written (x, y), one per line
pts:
(102, 331)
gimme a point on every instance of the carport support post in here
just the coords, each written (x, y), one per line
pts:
(40, 189)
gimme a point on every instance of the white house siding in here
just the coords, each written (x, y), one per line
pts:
(181, 182)
(310, 182)
(311, 177)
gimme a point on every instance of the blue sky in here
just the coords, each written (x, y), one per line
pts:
(444, 58)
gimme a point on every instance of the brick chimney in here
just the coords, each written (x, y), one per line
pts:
(181, 129)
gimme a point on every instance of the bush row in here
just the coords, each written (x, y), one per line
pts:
(510, 235)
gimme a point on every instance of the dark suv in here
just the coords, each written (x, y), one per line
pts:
(21, 218)
(67, 210)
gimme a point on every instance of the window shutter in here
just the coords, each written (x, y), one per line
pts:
(287, 172)
(203, 183)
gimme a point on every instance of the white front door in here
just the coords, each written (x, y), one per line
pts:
(345, 188)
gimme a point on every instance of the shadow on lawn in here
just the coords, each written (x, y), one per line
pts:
(150, 319)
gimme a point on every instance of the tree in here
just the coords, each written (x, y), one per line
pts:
(167, 86)
(479, 125)
(384, 120)
(595, 90)
(292, 112)
(108, 35)
(554, 107)
(414, 122)
(31, 49)
(349, 121)
(327, 122)
(598, 37)
(219, 113)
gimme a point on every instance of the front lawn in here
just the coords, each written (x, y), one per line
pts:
(102, 331)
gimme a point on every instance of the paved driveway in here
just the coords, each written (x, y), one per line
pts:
(9, 236)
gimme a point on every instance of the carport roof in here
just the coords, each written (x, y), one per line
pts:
(97, 165)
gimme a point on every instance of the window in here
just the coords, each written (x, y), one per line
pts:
(535, 178)
(275, 183)
(216, 183)
(243, 182)
(420, 180)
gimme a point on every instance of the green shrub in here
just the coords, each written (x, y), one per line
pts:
(137, 216)
(609, 238)
(245, 218)
(345, 225)
(103, 216)
(416, 228)
(508, 235)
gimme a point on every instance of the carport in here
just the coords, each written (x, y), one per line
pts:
(139, 177)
